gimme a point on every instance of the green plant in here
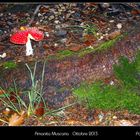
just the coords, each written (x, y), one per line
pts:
(36, 91)
(23, 21)
(100, 96)
(9, 65)
(127, 72)
(34, 96)
(90, 29)
(137, 62)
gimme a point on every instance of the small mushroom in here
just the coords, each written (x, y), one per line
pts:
(23, 37)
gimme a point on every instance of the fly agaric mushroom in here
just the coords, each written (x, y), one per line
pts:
(24, 36)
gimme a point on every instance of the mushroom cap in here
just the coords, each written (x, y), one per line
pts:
(20, 37)
(36, 34)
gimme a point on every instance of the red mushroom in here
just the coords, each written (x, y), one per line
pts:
(24, 36)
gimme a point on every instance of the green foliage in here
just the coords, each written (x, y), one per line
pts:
(23, 21)
(36, 91)
(127, 72)
(61, 54)
(107, 97)
(34, 96)
(64, 53)
(9, 65)
(137, 62)
(90, 29)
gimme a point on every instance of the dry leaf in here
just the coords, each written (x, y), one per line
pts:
(135, 12)
(16, 120)
(40, 110)
(89, 39)
(13, 97)
(2, 48)
(123, 123)
(6, 112)
(44, 10)
(2, 92)
(46, 46)
(75, 47)
(70, 122)
(113, 34)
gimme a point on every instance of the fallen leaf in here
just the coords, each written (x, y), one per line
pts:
(46, 46)
(90, 37)
(88, 43)
(44, 10)
(135, 12)
(16, 120)
(75, 47)
(13, 97)
(2, 92)
(91, 4)
(6, 111)
(123, 123)
(113, 34)
(2, 48)
(73, 122)
(40, 109)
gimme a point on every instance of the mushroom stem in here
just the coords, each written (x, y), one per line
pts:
(29, 49)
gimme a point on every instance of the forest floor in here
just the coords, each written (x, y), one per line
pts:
(66, 26)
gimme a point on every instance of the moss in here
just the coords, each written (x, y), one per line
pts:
(83, 52)
(127, 72)
(9, 65)
(61, 55)
(23, 21)
(107, 97)
(67, 53)
(64, 53)
(102, 47)
(123, 96)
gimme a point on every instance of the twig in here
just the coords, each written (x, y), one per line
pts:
(4, 121)
(34, 14)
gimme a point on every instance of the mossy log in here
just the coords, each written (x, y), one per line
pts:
(71, 71)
